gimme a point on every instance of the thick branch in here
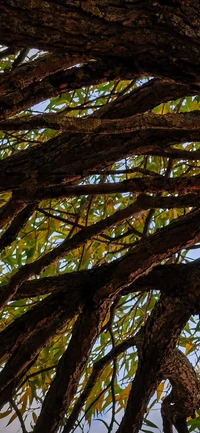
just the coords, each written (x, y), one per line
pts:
(20, 78)
(81, 33)
(67, 156)
(167, 278)
(48, 319)
(143, 121)
(70, 367)
(21, 94)
(115, 277)
(34, 82)
(59, 306)
(184, 398)
(155, 341)
(170, 275)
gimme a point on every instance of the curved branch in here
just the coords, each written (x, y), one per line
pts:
(155, 342)
(184, 398)
(170, 275)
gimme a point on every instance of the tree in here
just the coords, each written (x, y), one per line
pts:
(100, 208)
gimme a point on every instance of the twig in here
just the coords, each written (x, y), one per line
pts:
(14, 406)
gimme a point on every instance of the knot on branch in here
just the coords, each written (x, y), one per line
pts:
(184, 398)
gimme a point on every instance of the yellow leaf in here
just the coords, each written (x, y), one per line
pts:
(160, 390)
(47, 379)
(34, 416)
(12, 419)
(188, 347)
(124, 393)
(4, 414)
(106, 320)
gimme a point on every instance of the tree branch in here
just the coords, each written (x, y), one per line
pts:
(156, 340)
(139, 122)
(97, 371)
(38, 87)
(172, 153)
(34, 82)
(49, 317)
(10, 210)
(114, 278)
(15, 407)
(67, 245)
(71, 366)
(141, 185)
(177, 54)
(184, 398)
(16, 225)
(40, 317)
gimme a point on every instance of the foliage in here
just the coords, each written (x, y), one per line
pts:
(85, 257)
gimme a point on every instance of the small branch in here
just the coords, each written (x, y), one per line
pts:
(136, 185)
(15, 407)
(66, 430)
(125, 171)
(147, 223)
(16, 225)
(114, 372)
(172, 153)
(20, 58)
(97, 371)
(29, 376)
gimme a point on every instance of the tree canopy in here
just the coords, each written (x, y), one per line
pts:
(100, 214)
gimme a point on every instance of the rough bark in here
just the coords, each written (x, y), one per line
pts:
(87, 43)
(166, 32)
(184, 398)
(155, 341)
